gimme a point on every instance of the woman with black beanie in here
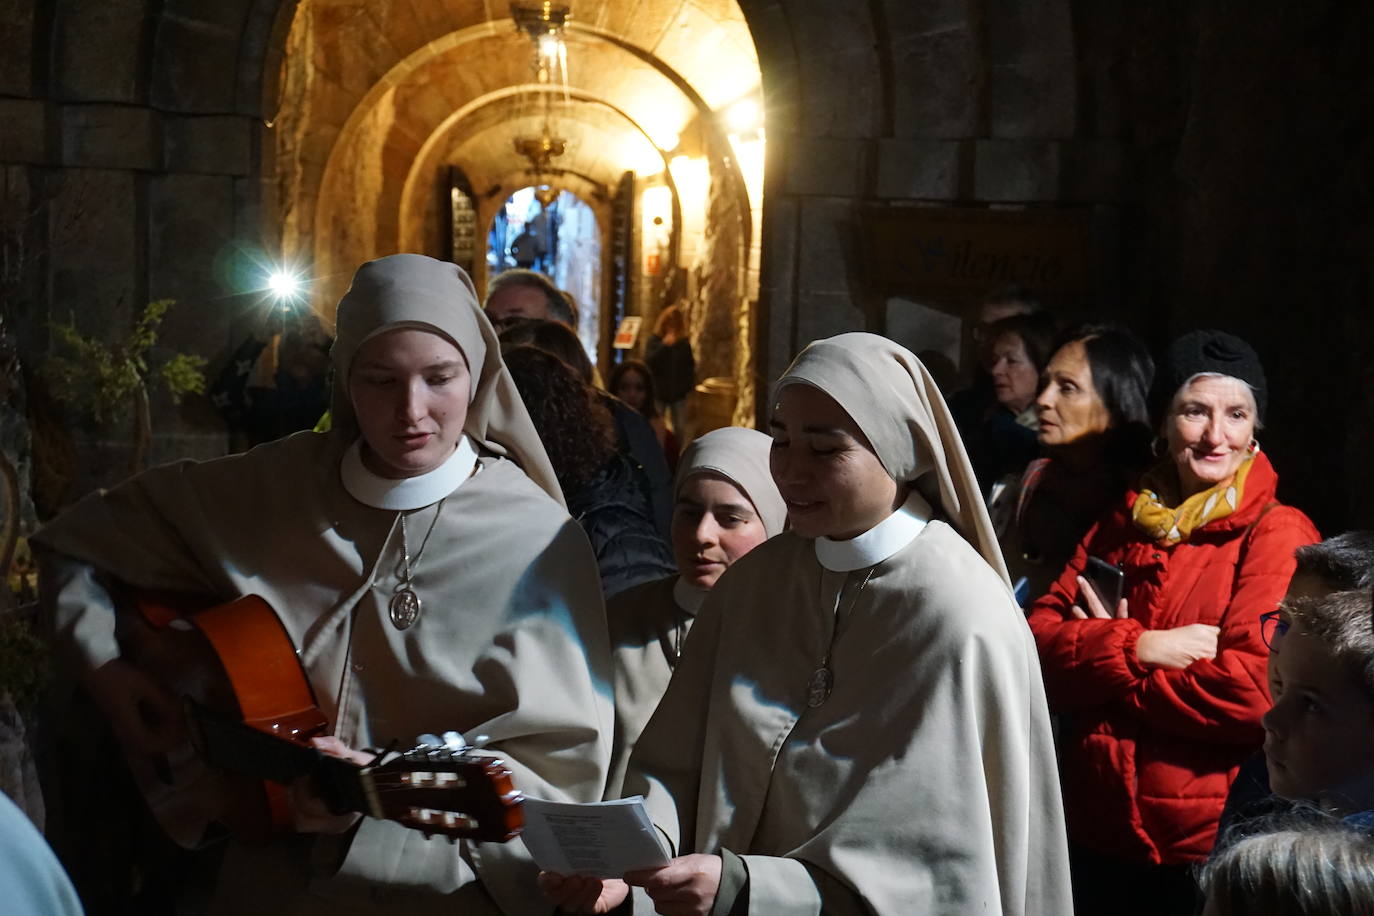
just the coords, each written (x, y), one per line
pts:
(1150, 639)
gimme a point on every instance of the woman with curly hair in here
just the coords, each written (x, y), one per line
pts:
(598, 481)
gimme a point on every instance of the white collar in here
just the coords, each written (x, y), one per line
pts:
(406, 492)
(688, 597)
(879, 542)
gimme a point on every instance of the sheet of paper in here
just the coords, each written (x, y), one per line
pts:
(600, 839)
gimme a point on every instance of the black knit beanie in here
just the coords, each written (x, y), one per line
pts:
(1208, 351)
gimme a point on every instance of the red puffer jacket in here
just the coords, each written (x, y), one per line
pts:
(1147, 754)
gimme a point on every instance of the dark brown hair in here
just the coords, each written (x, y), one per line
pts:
(551, 337)
(575, 427)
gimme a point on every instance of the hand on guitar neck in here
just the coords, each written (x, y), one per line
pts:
(310, 813)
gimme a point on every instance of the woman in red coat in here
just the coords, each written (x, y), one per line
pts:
(1161, 692)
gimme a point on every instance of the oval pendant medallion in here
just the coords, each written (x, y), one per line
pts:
(405, 608)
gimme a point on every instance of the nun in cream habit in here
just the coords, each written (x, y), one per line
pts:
(502, 633)
(858, 723)
(712, 525)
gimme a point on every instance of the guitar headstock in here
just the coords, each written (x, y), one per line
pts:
(445, 792)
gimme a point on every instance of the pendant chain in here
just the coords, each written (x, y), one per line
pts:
(853, 600)
(405, 604)
(406, 572)
(822, 681)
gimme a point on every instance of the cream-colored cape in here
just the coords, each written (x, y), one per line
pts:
(648, 628)
(925, 784)
(511, 643)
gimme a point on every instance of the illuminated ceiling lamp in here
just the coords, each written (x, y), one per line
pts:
(544, 24)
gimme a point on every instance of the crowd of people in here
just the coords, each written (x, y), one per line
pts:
(888, 656)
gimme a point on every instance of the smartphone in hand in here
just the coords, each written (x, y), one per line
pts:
(1106, 580)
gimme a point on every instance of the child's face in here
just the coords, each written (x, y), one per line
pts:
(1319, 735)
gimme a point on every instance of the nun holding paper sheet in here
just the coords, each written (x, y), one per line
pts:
(858, 723)
(421, 561)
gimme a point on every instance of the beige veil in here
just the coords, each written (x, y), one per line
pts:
(414, 290)
(740, 456)
(896, 404)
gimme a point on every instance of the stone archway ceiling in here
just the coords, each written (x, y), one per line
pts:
(600, 143)
(379, 94)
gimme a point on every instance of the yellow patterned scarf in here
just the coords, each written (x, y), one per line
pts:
(1166, 526)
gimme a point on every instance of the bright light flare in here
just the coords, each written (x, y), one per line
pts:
(285, 286)
(550, 47)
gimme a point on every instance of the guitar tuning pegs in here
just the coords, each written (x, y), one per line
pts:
(454, 741)
(428, 740)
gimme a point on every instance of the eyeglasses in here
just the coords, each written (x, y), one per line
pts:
(1272, 627)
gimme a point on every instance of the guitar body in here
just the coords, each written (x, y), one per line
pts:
(249, 715)
(235, 660)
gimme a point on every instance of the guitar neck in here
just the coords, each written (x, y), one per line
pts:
(230, 744)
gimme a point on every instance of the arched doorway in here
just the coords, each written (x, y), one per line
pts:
(667, 93)
(560, 238)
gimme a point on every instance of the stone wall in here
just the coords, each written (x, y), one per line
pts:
(1222, 151)
(134, 132)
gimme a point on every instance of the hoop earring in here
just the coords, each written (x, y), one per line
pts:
(1158, 445)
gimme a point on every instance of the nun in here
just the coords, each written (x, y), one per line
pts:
(421, 560)
(724, 505)
(858, 723)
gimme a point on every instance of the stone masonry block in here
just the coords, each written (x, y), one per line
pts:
(920, 169)
(190, 222)
(211, 144)
(935, 88)
(826, 166)
(828, 245)
(195, 68)
(98, 50)
(16, 37)
(839, 76)
(822, 315)
(1032, 88)
(25, 134)
(94, 238)
(1016, 170)
(111, 136)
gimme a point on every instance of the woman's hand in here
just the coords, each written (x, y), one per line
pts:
(1177, 648)
(309, 812)
(577, 894)
(686, 886)
(1096, 608)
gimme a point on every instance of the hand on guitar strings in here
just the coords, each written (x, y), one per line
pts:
(146, 718)
(578, 894)
(309, 812)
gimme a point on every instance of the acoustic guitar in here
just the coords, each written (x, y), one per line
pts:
(249, 716)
